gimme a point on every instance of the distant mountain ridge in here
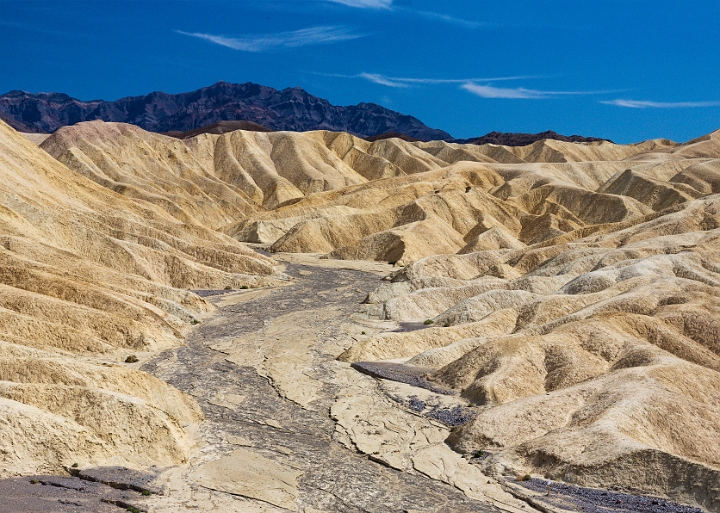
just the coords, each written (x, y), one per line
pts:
(520, 139)
(292, 109)
(224, 107)
(221, 127)
(391, 135)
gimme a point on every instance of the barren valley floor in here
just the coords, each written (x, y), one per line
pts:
(264, 371)
(287, 426)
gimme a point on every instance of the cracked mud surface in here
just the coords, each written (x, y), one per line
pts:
(289, 428)
(284, 422)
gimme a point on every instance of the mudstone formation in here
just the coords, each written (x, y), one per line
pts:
(573, 289)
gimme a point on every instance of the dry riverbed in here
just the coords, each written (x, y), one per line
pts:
(287, 426)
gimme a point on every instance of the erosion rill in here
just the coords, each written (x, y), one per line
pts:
(439, 327)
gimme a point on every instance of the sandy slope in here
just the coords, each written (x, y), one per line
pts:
(88, 277)
(388, 200)
(521, 196)
(596, 358)
(573, 287)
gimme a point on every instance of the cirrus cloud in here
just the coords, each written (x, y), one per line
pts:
(404, 82)
(383, 80)
(388, 6)
(291, 39)
(520, 93)
(372, 4)
(639, 104)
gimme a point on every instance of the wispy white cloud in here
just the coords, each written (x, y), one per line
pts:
(477, 86)
(388, 6)
(365, 4)
(382, 80)
(462, 80)
(486, 91)
(637, 104)
(444, 17)
(520, 93)
(292, 39)
(404, 82)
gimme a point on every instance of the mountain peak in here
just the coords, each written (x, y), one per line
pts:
(292, 109)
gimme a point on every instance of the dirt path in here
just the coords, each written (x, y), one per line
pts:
(290, 428)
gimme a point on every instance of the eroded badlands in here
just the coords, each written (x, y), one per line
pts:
(570, 291)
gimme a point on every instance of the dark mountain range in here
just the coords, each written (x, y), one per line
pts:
(517, 139)
(221, 127)
(391, 135)
(290, 109)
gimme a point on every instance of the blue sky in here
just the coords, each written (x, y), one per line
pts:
(627, 70)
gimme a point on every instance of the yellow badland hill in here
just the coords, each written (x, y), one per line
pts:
(574, 287)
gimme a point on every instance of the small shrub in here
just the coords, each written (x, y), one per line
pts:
(194, 322)
(228, 287)
(34, 481)
(75, 465)
(146, 493)
(133, 509)
(244, 287)
(478, 454)
(131, 359)
(363, 333)
(526, 477)
(428, 322)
